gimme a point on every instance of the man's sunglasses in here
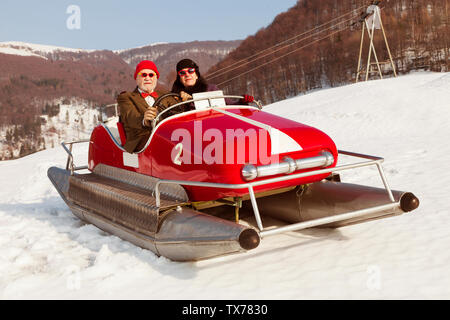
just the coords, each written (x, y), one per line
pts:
(144, 75)
(184, 72)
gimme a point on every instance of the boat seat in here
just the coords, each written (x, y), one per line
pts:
(115, 128)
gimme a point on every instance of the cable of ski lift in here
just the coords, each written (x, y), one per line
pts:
(290, 39)
(376, 2)
(216, 73)
(284, 47)
(210, 76)
(276, 59)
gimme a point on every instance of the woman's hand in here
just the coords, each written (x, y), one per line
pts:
(185, 96)
(247, 99)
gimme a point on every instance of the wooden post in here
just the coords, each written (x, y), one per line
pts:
(358, 71)
(372, 47)
(387, 46)
(371, 33)
(370, 52)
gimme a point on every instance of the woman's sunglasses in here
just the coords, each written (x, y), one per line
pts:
(144, 75)
(184, 72)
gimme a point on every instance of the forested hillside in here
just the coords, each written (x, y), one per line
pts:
(316, 44)
(38, 81)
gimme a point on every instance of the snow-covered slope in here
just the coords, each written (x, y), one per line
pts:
(32, 49)
(45, 252)
(140, 47)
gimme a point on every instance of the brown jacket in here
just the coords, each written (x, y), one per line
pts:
(132, 108)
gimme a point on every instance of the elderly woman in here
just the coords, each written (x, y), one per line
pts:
(189, 81)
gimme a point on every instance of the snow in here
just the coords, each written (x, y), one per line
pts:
(40, 47)
(46, 252)
(32, 49)
(119, 51)
(74, 121)
(17, 52)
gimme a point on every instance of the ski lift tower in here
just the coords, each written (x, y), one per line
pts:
(371, 21)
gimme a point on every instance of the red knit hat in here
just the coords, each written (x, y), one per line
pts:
(146, 64)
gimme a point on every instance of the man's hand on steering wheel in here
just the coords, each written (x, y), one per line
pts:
(149, 115)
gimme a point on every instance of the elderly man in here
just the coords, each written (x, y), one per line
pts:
(136, 111)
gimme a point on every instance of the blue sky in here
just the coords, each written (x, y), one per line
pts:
(123, 24)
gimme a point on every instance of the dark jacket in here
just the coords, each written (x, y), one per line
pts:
(132, 107)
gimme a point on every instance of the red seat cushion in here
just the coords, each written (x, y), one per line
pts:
(123, 137)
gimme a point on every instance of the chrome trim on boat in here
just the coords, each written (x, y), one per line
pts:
(326, 220)
(155, 121)
(288, 165)
(249, 172)
(69, 164)
(325, 159)
(372, 160)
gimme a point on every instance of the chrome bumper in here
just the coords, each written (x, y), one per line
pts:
(288, 165)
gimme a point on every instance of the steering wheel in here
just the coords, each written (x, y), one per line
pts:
(166, 100)
(166, 103)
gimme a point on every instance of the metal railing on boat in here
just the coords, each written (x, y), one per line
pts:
(371, 161)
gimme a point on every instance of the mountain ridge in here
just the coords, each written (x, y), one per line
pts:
(36, 78)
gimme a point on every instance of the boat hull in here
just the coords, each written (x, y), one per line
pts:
(180, 233)
(332, 198)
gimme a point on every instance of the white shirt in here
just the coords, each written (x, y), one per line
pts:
(150, 101)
